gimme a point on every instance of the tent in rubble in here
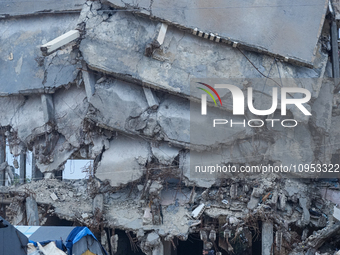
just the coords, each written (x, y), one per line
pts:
(71, 240)
(11, 240)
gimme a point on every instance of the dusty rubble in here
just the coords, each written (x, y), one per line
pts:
(119, 95)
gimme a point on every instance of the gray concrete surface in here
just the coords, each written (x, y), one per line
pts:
(26, 7)
(124, 162)
(22, 59)
(275, 27)
(32, 212)
(267, 238)
(116, 46)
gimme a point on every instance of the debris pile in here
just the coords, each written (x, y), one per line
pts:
(110, 82)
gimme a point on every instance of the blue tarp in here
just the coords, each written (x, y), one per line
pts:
(77, 234)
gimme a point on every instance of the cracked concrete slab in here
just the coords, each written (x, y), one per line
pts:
(109, 97)
(124, 161)
(22, 59)
(71, 107)
(21, 8)
(277, 28)
(111, 49)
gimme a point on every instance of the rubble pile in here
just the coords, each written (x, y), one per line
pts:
(115, 90)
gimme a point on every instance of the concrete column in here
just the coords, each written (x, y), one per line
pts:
(151, 98)
(48, 107)
(59, 42)
(335, 56)
(168, 249)
(267, 238)
(36, 174)
(32, 212)
(2, 159)
(98, 202)
(104, 241)
(89, 81)
(23, 166)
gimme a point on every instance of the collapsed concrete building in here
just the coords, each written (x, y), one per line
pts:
(109, 81)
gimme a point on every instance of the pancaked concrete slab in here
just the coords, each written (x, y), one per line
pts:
(109, 99)
(28, 119)
(170, 122)
(21, 8)
(23, 60)
(278, 28)
(124, 161)
(117, 46)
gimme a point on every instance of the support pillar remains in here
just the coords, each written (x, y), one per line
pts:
(2, 158)
(36, 173)
(23, 166)
(32, 214)
(267, 238)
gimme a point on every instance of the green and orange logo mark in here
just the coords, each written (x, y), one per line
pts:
(209, 93)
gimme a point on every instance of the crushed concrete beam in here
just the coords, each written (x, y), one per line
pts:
(89, 81)
(59, 42)
(162, 33)
(48, 107)
(198, 211)
(151, 98)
